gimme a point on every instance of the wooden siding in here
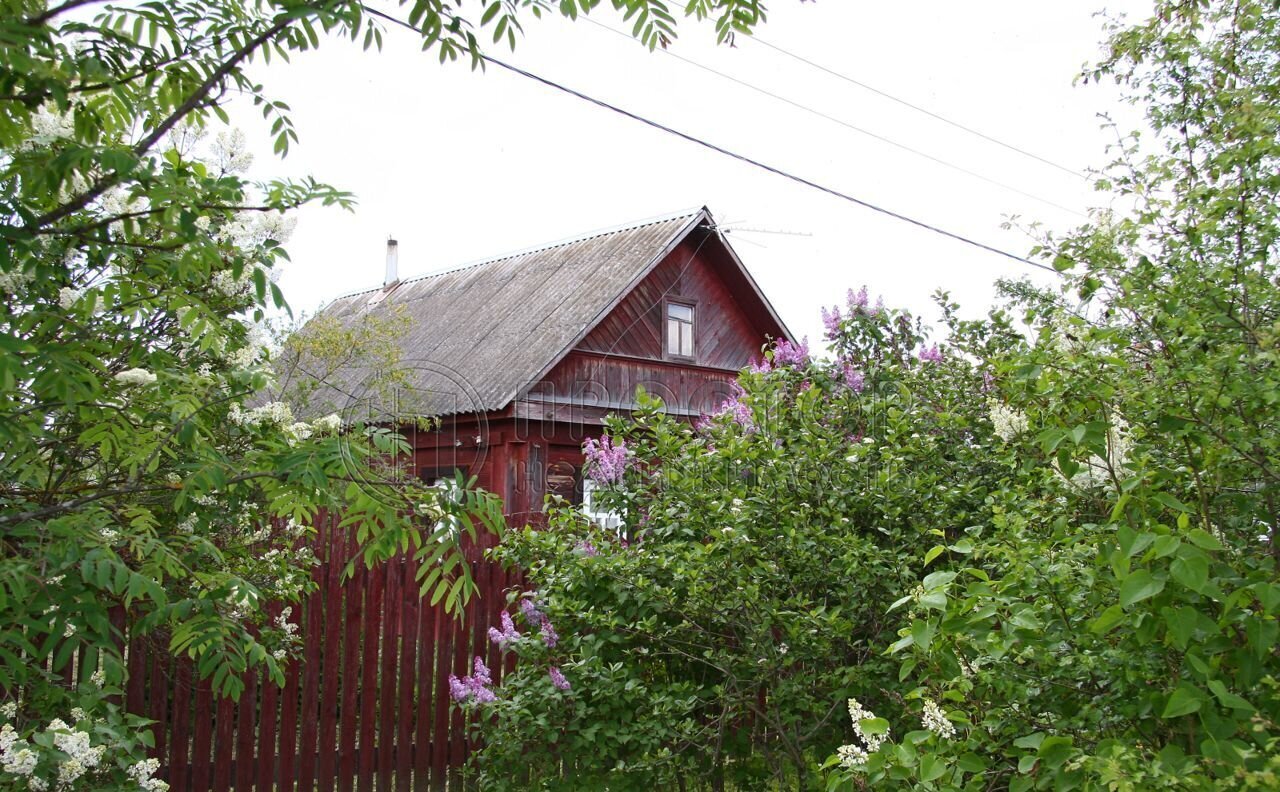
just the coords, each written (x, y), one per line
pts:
(594, 380)
(729, 328)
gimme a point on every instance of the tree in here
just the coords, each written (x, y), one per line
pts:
(1068, 513)
(1114, 625)
(714, 645)
(145, 474)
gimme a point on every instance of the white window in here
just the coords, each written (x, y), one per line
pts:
(679, 330)
(608, 520)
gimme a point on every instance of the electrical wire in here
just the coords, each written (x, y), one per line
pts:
(740, 157)
(847, 125)
(917, 108)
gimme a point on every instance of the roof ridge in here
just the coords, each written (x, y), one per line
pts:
(584, 237)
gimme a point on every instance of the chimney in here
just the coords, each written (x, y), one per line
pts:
(393, 264)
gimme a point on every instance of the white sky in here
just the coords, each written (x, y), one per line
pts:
(460, 166)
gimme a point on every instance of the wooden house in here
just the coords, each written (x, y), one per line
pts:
(520, 358)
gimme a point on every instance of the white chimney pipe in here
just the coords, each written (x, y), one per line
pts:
(393, 264)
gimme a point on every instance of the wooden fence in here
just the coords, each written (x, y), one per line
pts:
(367, 706)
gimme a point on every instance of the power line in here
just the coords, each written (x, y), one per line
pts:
(918, 108)
(740, 157)
(847, 125)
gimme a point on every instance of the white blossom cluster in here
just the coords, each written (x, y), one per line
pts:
(270, 414)
(1096, 471)
(854, 756)
(229, 285)
(297, 432)
(1007, 422)
(935, 720)
(330, 424)
(136, 376)
(81, 756)
(13, 282)
(68, 297)
(142, 773)
(231, 152)
(48, 126)
(16, 755)
(250, 230)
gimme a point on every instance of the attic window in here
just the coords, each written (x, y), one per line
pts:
(679, 330)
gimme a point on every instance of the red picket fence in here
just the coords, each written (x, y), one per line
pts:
(367, 706)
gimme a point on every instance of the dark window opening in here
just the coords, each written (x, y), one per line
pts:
(565, 480)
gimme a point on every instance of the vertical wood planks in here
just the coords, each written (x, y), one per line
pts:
(351, 646)
(331, 674)
(407, 673)
(369, 680)
(247, 717)
(364, 707)
(224, 734)
(313, 640)
(427, 691)
(387, 684)
(266, 764)
(179, 775)
(288, 746)
(203, 742)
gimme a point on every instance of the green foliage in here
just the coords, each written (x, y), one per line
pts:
(153, 466)
(1049, 560)
(1116, 626)
(763, 549)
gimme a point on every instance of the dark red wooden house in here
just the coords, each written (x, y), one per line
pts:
(518, 359)
(521, 357)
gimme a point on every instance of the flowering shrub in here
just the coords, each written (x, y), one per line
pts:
(80, 750)
(1112, 623)
(747, 589)
(155, 469)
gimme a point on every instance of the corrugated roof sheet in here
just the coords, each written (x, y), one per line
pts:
(479, 335)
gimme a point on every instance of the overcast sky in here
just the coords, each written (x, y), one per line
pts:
(461, 165)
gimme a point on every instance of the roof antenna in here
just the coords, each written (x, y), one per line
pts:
(393, 264)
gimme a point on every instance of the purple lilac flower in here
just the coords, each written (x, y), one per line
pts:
(458, 689)
(857, 300)
(831, 321)
(854, 380)
(761, 366)
(786, 353)
(507, 634)
(481, 672)
(988, 382)
(549, 635)
(532, 616)
(587, 549)
(606, 461)
(558, 679)
(930, 354)
(474, 687)
(741, 412)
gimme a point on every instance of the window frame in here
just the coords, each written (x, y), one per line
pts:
(692, 305)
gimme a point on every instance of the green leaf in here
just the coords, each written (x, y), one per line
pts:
(1228, 699)
(1191, 571)
(933, 553)
(1184, 701)
(1106, 620)
(871, 726)
(1137, 586)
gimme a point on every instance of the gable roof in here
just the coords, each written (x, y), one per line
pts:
(480, 335)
